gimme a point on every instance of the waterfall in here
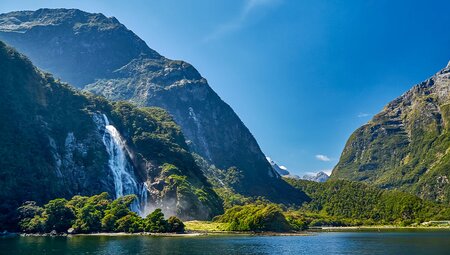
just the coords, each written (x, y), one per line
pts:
(122, 170)
(144, 199)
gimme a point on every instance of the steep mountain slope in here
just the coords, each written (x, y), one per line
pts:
(58, 142)
(101, 55)
(407, 145)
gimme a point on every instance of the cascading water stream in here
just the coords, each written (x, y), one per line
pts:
(122, 170)
(144, 199)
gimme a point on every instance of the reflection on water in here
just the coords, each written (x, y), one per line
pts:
(423, 242)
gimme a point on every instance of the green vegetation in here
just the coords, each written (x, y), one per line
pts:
(212, 226)
(231, 198)
(346, 203)
(255, 217)
(93, 214)
(405, 147)
(152, 132)
(333, 203)
(51, 146)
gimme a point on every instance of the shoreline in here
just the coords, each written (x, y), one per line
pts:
(374, 228)
(195, 233)
(186, 234)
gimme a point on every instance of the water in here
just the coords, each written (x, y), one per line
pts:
(410, 243)
(122, 170)
(124, 181)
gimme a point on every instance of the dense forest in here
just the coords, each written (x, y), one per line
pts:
(92, 214)
(338, 202)
(333, 203)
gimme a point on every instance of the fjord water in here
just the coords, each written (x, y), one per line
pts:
(422, 242)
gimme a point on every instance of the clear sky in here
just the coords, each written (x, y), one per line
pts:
(302, 75)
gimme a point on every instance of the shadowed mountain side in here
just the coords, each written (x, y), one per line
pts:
(103, 56)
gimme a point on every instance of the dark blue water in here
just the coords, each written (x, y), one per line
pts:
(320, 243)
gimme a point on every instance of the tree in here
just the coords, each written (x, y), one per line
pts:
(108, 222)
(155, 222)
(88, 219)
(58, 216)
(175, 225)
(30, 217)
(255, 217)
(28, 210)
(118, 209)
(92, 214)
(130, 223)
(233, 177)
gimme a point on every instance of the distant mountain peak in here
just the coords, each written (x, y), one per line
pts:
(281, 170)
(318, 177)
(22, 21)
(77, 46)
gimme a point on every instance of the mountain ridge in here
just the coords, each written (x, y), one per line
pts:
(60, 142)
(405, 146)
(118, 69)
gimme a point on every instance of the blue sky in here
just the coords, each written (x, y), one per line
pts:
(302, 75)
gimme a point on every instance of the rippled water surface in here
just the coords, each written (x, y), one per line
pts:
(423, 242)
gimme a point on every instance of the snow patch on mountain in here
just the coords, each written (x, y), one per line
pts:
(320, 176)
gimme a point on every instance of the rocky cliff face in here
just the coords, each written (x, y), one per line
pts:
(99, 54)
(406, 146)
(58, 142)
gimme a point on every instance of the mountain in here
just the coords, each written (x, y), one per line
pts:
(59, 142)
(281, 170)
(406, 145)
(318, 177)
(101, 55)
(349, 203)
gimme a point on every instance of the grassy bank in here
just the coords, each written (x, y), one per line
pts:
(205, 226)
